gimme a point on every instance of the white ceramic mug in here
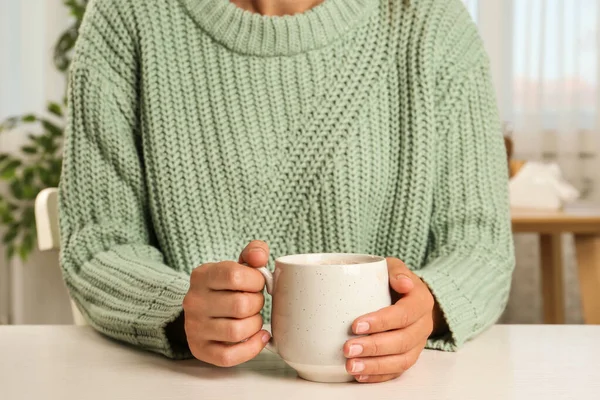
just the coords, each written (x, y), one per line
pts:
(316, 297)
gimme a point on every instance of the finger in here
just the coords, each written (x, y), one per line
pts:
(376, 378)
(256, 254)
(384, 365)
(405, 312)
(387, 343)
(227, 355)
(231, 330)
(230, 275)
(226, 304)
(401, 278)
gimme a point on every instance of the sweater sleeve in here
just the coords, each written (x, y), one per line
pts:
(111, 264)
(470, 258)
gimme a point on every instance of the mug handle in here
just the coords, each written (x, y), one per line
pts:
(268, 278)
(269, 285)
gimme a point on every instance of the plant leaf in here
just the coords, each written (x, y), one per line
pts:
(64, 45)
(6, 215)
(54, 130)
(28, 175)
(29, 118)
(28, 218)
(26, 245)
(45, 176)
(11, 234)
(9, 123)
(29, 192)
(55, 170)
(46, 142)
(9, 170)
(29, 149)
(55, 108)
(16, 189)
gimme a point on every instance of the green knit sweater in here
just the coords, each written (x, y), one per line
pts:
(364, 126)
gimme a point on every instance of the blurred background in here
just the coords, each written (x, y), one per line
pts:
(545, 62)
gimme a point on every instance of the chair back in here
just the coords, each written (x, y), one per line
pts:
(48, 234)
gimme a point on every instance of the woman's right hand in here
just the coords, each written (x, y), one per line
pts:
(223, 324)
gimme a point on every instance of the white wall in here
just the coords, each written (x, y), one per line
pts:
(32, 292)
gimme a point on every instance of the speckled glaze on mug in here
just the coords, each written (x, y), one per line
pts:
(316, 297)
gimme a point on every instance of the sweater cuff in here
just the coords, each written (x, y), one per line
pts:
(150, 326)
(128, 293)
(465, 315)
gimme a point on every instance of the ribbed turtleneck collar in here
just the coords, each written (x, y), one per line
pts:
(251, 33)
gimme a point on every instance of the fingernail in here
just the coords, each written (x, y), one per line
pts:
(358, 366)
(256, 250)
(355, 350)
(362, 378)
(266, 337)
(362, 327)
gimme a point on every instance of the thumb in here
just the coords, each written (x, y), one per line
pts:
(256, 254)
(401, 278)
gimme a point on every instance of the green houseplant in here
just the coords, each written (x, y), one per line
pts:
(37, 165)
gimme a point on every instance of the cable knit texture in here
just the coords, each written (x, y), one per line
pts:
(365, 126)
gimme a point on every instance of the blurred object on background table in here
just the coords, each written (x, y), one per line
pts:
(514, 166)
(540, 186)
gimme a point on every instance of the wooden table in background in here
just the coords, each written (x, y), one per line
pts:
(584, 224)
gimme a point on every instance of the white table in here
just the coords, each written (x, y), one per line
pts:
(506, 362)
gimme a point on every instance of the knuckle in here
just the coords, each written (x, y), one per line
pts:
(234, 276)
(194, 349)
(383, 324)
(241, 306)
(225, 359)
(188, 302)
(430, 326)
(404, 363)
(430, 302)
(259, 321)
(405, 343)
(261, 301)
(212, 272)
(404, 319)
(197, 349)
(234, 332)
(426, 298)
(375, 348)
(198, 272)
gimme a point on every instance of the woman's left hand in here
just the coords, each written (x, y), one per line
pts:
(397, 334)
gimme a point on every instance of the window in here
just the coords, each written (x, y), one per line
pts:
(545, 62)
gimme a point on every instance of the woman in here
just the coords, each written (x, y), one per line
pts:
(365, 126)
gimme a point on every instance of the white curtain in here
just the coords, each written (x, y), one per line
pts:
(28, 79)
(472, 6)
(28, 30)
(545, 59)
(556, 111)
